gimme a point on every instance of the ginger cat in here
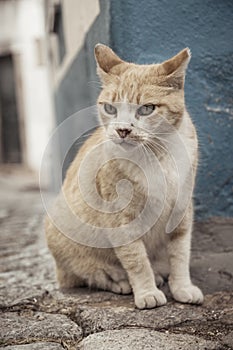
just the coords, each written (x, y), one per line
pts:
(140, 107)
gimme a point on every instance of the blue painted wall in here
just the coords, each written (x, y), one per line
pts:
(149, 31)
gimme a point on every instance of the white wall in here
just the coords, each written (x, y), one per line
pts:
(78, 16)
(21, 25)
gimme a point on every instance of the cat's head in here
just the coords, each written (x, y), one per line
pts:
(136, 100)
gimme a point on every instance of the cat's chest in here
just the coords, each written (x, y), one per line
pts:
(149, 179)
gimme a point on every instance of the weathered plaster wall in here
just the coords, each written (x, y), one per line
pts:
(153, 30)
(80, 86)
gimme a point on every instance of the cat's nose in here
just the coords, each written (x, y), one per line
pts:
(123, 132)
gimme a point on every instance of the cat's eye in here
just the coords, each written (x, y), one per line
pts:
(146, 110)
(110, 109)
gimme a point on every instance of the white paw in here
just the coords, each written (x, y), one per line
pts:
(121, 287)
(116, 273)
(159, 280)
(150, 299)
(190, 294)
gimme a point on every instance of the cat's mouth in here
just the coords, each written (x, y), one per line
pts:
(127, 144)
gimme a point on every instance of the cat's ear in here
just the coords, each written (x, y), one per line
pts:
(174, 68)
(106, 59)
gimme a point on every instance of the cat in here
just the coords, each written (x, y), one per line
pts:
(139, 261)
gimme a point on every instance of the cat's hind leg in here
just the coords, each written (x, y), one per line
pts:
(110, 279)
(67, 279)
(159, 280)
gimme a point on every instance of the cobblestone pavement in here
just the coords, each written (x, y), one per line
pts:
(36, 315)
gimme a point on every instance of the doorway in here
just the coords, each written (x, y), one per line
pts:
(10, 146)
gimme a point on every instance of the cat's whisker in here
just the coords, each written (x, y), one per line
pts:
(153, 148)
(148, 131)
(158, 140)
(147, 153)
(169, 142)
(148, 146)
(163, 140)
(154, 143)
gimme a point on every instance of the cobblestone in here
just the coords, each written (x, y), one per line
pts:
(35, 314)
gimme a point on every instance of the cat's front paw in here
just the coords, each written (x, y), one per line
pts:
(189, 294)
(150, 299)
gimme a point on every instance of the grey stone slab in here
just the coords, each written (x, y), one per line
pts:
(36, 312)
(36, 346)
(26, 275)
(146, 339)
(20, 295)
(213, 271)
(212, 255)
(228, 340)
(106, 317)
(215, 314)
(28, 327)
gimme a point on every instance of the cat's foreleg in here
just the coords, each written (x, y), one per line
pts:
(180, 283)
(134, 259)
